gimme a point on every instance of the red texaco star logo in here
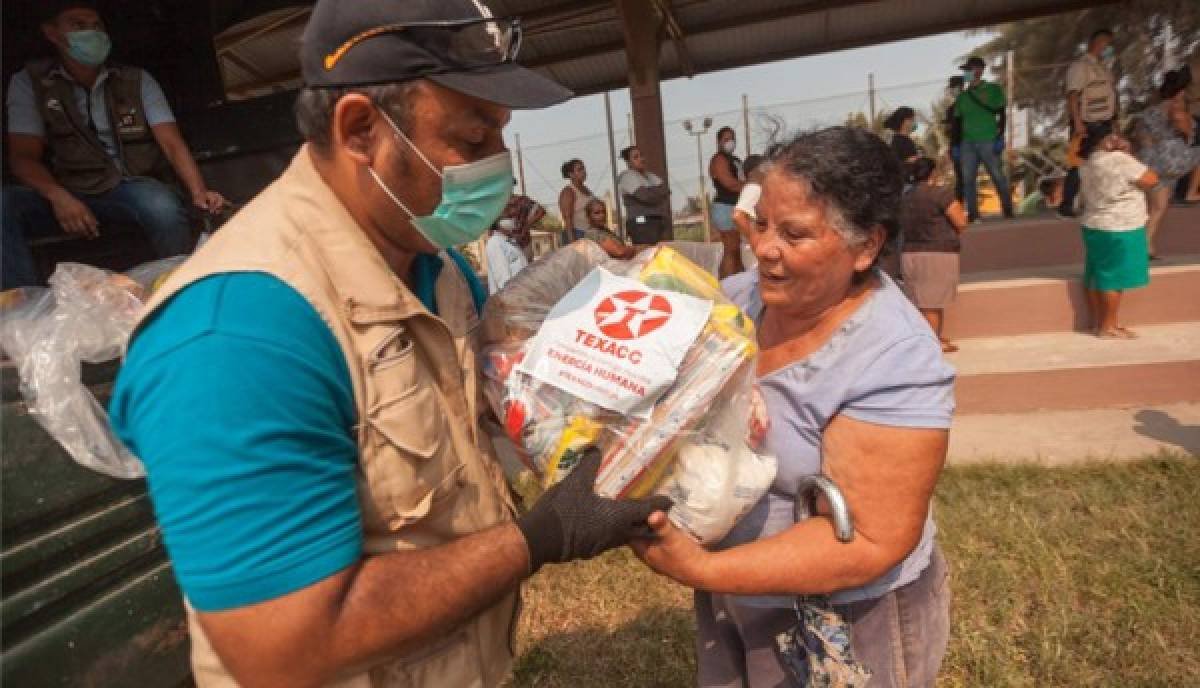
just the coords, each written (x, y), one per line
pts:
(632, 314)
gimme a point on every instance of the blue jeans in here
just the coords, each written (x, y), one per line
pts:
(151, 204)
(973, 153)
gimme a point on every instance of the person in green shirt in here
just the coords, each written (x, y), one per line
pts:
(980, 107)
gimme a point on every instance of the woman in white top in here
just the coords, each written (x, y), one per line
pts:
(1114, 228)
(573, 200)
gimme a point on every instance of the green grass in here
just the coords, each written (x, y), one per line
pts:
(1061, 577)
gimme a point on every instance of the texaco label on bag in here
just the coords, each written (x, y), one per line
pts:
(615, 342)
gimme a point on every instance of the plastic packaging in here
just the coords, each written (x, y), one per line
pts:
(86, 315)
(645, 359)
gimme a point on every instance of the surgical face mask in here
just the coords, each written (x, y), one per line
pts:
(506, 224)
(968, 77)
(729, 146)
(90, 47)
(913, 130)
(1108, 53)
(473, 196)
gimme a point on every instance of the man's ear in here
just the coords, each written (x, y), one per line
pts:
(51, 34)
(353, 129)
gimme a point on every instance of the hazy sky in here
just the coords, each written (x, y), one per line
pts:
(909, 72)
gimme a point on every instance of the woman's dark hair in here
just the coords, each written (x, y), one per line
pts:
(852, 171)
(626, 152)
(721, 132)
(753, 161)
(896, 119)
(569, 166)
(1093, 140)
(1100, 33)
(1173, 82)
(922, 169)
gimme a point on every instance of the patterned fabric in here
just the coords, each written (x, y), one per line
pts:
(602, 234)
(1166, 153)
(817, 649)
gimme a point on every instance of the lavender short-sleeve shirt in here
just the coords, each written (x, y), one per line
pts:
(883, 366)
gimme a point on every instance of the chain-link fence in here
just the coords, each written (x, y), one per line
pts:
(1035, 132)
(759, 124)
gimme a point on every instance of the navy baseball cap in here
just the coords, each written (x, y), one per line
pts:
(455, 43)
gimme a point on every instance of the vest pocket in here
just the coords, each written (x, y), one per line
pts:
(410, 464)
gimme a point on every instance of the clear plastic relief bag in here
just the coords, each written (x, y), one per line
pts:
(644, 359)
(85, 316)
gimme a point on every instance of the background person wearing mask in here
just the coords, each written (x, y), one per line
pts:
(505, 248)
(931, 221)
(599, 232)
(573, 200)
(1091, 103)
(646, 201)
(903, 124)
(725, 169)
(980, 108)
(304, 390)
(111, 140)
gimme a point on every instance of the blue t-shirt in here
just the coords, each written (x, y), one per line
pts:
(883, 366)
(237, 398)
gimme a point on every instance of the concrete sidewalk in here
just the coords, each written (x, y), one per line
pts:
(1056, 438)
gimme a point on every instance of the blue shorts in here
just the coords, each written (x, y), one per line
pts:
(722, 217)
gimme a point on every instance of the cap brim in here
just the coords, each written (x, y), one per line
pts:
(509, 85)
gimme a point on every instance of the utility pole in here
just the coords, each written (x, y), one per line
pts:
(697, 133)
(612, 166)
(1010, 96)
(520, 166)
(746, 122)
(871, 99)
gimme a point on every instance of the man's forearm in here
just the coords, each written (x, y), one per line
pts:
(386, 605)
(185, 166)
(34, 174)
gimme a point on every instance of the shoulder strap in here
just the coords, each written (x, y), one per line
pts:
(980, 103)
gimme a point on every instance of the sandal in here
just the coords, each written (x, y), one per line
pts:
(948, 347)
(1116, 333)
(1127, 333)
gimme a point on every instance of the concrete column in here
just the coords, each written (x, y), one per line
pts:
(641, 25)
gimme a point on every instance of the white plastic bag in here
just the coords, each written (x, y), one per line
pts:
(86, 315)
(581, 350)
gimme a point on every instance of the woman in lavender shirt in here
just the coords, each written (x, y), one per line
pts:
(856, 388)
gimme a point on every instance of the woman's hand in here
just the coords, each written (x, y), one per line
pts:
(673, 553)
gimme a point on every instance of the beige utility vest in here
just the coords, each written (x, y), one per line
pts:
(427, 474)
(1098, 100)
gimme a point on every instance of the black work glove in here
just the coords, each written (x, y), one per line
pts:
(571, 521)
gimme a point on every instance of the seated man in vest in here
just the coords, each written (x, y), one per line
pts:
(305, 390)
(111, 139)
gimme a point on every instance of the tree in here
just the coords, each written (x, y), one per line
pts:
(1149, 37)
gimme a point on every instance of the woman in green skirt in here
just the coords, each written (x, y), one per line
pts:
(1114, 228)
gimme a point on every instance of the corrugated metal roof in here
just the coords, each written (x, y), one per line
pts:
(580, 43)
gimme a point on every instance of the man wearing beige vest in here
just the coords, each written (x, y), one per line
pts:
(305, 394)
(1091, 103)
